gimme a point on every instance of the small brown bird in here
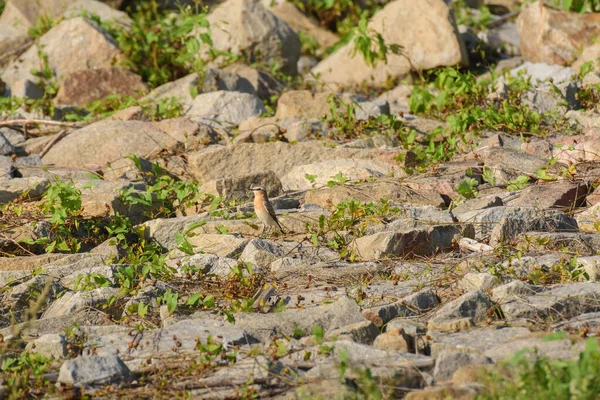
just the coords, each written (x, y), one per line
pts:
(264, 210)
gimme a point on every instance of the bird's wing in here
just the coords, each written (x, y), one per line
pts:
(272, 213)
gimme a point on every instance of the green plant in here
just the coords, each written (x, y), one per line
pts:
(42, 25)
(310, 44)
(338, 15)
(160, 46)
(465, 15)
(468, 188)
(371, 45)
(163, 197)
(518, 183)
(24, 374)
(580, 6)
(538, 378)
(349, 219)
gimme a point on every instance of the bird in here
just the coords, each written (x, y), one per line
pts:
(264, 209)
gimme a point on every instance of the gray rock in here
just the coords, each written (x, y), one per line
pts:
(562, 301)
(71, 302)
(419, 241)
(484, 220)
(17, 297)
(118, 138)
(474, 341)
(14, 188)
(216, 80)
(87, 370)
(518, 220)
(7, 170)
(338, 314)
(126, 169)
(543, 97)
(588, 321)
(221, 245)
(361, 332)
(265, 252)
(164, 341)
(584, 243)
(106, 271)
(511, 290)
(247, 27)
(446, 364)
(52, 346)
(352, 169)
(365, 109)
(179, 89)
(478, 281)
(217, 162)
(65, 56)
(163, 230)
(471, 307)
(508, 163)
(413, 304)
(567, 195)
(6, 148)
(224, 108)
(476, 204)
(237, 188)
(536, 346)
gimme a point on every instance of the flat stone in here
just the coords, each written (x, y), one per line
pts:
(478, 281)
(118, 138)
(410, 305)
(52, 346)
(66, 56)
(248, 27)
(552, 36)
(419, 241)
(472, 306)
(14, 188)
(238, 188)
(474, 341)
(337, 314)
(559, 302)
(446, 364)
(71, 302)
(217, 162)
(86, 370)
(424, 46)
(223, 108)
(162, 342)
(220, 245)
(558, 195)
(323, 172)
(370, 192)
(518, 220)
(79, 88)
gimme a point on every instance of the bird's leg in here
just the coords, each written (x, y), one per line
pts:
(263, 231)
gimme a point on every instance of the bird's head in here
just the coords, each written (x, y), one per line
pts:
(257, 189)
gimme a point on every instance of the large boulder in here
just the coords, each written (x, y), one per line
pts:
(247, 27)
(555, 37)
(425, 29)
(223, 108)
(83, 87)
(216, 162)
(301, 24)
(88, 47)
(107, 141)
(20, 15)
